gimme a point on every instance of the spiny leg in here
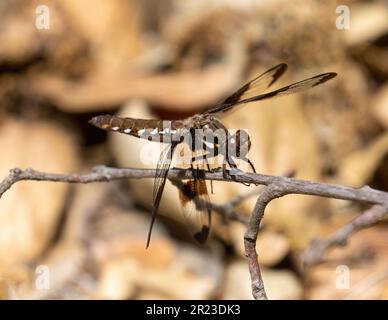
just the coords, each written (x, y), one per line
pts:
(211, 181)
(251, 165)
(232, 166)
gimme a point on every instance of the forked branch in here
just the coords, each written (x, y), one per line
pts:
(276, 186)
(316, 252)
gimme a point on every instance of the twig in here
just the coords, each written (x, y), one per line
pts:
(293, 186)
(269, 193)
(277, 186)
(318, 247)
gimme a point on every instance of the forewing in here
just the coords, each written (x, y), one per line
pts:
(290, 89)
(163, 166)
(252, 88)
(293, 88)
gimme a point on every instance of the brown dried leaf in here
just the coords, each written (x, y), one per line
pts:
(30, 210)
(175, 91)
(380, 105)
(279, 284)
(358, 167)
(363, 259)
(367, 22)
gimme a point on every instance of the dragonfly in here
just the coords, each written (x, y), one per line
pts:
(207, 138)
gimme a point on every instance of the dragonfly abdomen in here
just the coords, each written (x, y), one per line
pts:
(153, 130)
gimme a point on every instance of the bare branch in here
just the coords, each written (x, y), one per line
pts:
(290, 185)
(318, 247)
(250, 238)
(276, 186)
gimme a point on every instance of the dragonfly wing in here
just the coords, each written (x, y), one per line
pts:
(163, 166)
(195, 201)
(252, 88)
(293, 88)
(251, 95)
(196, 208)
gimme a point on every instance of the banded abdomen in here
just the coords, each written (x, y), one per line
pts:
(153, 130)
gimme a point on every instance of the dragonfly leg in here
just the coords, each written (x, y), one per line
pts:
(252, 166)
(233, 172)
(211, 181)
(194, 171)
(224, 173)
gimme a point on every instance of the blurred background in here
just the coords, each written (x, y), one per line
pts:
(170, 59)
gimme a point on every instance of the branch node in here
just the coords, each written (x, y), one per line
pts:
(342, 242)
(99, 169)
(258, 290)
(249, 239)
(366, 188)
(15, 172)
(273, 191)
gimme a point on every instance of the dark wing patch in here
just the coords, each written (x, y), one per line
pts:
(252, 88)
(195, 201)
(196, 208)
